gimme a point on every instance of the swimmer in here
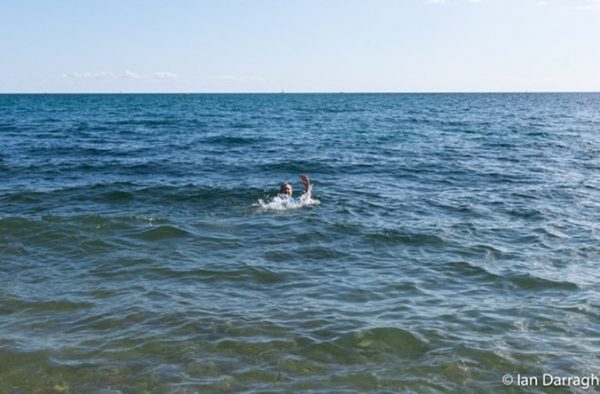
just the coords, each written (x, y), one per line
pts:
(284, 199)
(286, 187)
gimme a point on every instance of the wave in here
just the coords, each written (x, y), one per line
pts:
(129, 192)
(528, 281)
(117, 196)
(298, 167)
(227, 140)
(245, 274)
(525, 281)
(398, 237)
(372, 344)
(146, 122)
(31, 306)
(163, 232)
(81, 229)
(592, 151)
(464, 269)
(88, 152)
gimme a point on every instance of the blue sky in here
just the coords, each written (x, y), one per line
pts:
(299, 45)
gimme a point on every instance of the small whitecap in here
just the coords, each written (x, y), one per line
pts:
(281, 202)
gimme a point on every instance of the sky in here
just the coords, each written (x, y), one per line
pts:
(299, 45)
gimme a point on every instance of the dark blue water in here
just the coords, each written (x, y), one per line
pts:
(456, 239)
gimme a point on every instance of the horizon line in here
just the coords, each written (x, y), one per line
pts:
(322, 92)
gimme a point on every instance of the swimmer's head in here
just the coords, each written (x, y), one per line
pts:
(286, 188)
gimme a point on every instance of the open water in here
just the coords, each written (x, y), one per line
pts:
(453, 239)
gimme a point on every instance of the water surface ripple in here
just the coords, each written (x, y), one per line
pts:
(456, 240)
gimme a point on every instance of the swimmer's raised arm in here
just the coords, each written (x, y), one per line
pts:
(305, 182)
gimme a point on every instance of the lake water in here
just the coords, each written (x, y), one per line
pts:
(453, 239)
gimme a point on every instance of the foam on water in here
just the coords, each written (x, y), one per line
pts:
(282, 202)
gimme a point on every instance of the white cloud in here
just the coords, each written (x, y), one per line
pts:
(589, 5)
(131, 75)
(543, 3)
(127, 74)
(90, 75)
(165, 75)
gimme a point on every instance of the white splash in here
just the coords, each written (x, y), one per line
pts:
(282, 202)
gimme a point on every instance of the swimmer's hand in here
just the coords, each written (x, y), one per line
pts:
(305, 182)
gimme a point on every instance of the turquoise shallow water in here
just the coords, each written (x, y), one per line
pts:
(457, 239)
